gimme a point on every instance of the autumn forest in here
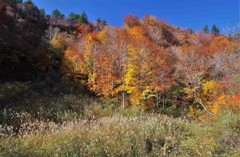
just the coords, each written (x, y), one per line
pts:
(74, 87)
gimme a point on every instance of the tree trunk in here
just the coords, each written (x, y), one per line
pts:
(123, 99)
(201, 103)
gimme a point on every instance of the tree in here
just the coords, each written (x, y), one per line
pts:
(162, 69)
(120, 46)
(58, 42)
(133, 77)
(83, 19)
(73, 61)
(57, 16)
(221, 43)
(73, 18)
(205, 29)
(149, 20)
(139, 66)
(103, 79)
(192, 68)
(215, 30)
(233, 32)
(99, 20)
(12, 2)
(84, 29)
(131, 21)
(50, 33)
(145, 62)
(42, 12)
(100, 24)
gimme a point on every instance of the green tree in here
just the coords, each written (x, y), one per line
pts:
(57, 15)
(205, 29)
(83, 19)
(98, 20)
(72, 17)
(42, 12)
(101, 22)
(215, 30)
(13, 2)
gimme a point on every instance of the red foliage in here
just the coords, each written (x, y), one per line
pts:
(84, 29)
(131, 21)
(75, 25)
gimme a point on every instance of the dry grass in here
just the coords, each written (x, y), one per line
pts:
(108, 136)
(78, 125)
(118, 135)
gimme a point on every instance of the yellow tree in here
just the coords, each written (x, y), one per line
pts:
(73, 63)
(138, 77)
(90, 49)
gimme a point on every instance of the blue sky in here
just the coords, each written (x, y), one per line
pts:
(182, 13)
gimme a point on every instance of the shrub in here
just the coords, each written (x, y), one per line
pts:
(12, 90)
(221, 138)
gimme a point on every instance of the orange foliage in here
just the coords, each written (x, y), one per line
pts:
(221, 43)
(234, 102)
(145, 59)
(149, 20)
(84, 29)
(131, 21)
(138, 33)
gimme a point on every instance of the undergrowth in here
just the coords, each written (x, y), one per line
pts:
(76, 124)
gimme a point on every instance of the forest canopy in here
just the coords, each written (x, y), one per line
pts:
(70, 86)
(145, 64)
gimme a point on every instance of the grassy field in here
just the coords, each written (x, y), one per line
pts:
(64, 124)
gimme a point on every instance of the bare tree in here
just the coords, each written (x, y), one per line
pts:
(233, 32)
(191, 69)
